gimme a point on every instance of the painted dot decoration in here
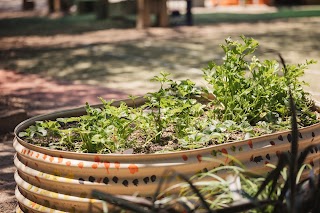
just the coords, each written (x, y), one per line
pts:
(91, 179)
(280, 137)
(268, 156)
(106, 180)
(135, 182)
(146, 180)
(313, 134)
(81, 180)
(153, 178)
(300, 135)
(125, 183)
(115, 179)
(258, 159)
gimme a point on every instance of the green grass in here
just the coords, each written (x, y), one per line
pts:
(282, 13)
(75, 24)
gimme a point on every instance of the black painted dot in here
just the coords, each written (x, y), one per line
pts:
(106, 180)
(280, 137)
(205, 170)
(289, 137)
(300, 135)
(81, 180)
(91, 179)
(153, 178)
(316, 149)
(312, 151)
(115, 179)
(125, 183)
(146, 180)
(313, 135)
(135, 182)
(268, 156)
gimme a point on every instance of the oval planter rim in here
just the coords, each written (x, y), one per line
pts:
(78, 111)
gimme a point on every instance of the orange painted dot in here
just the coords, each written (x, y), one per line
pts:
(80, 165)
(107, 166)
(31, 154)
(68, 163)
(94, 166)
(37, 156)
(51, 159)
(29, 151)
(21, 151)
(60, 159)
(117, 165)
(184, 157)
(44, 157)
(133, 168)
(24, 151)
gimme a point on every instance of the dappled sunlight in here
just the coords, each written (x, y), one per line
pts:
(47, 95)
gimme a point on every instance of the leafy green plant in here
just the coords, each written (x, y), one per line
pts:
(282, 190)
(255, 91)
(244, 98)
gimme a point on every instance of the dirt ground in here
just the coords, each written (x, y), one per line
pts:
(40, 74)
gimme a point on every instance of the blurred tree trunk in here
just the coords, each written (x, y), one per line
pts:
(102, 9)
(28, 5)
(59, 5)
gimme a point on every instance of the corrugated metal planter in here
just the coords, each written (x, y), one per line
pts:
(59, 181)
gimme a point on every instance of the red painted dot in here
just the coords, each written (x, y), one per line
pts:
(107, 166)
(224, 151)
(184, 157)
(250, 144)
(117, 165)
(199, 157)
(266, 162)
(133, 168)
(94, 166)
(251, 158)
(97, 159)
